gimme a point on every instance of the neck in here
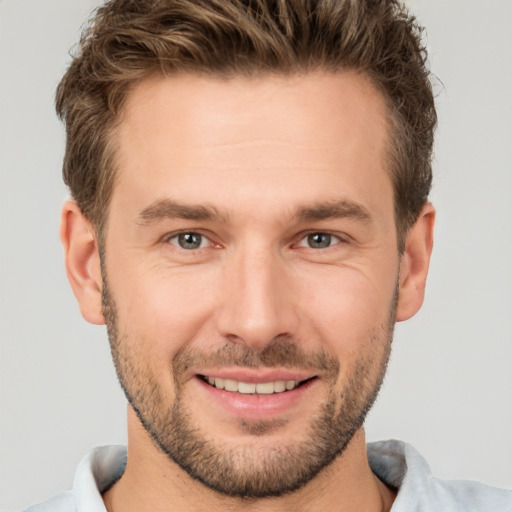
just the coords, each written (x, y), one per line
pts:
(152, 482)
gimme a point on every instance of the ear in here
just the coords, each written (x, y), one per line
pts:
(414, 264)
(82, 259)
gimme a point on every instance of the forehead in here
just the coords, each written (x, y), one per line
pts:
(273, 139)
(213, 109)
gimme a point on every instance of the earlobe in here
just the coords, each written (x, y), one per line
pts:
(82, 261)
(414, 264)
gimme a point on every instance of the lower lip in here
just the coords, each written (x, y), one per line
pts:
(257, 407)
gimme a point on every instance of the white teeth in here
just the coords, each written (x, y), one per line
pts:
(248, 388)
(265, 388)
(279, 386)
(290, 384)
(230, 385)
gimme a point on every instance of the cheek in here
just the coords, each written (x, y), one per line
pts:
(349, 309)
(168, 309)
(352, 317)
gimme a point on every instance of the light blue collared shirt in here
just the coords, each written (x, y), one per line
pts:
(396, 463)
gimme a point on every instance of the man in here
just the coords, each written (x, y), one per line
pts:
(250, 217)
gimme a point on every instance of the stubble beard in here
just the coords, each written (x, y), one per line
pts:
(246, 471)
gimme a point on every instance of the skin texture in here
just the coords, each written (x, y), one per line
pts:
(261, 170)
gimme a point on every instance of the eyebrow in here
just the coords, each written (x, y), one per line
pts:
(334, 210)
(169, 209)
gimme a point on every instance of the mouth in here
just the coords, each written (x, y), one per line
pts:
(257, 395)
(254, 388)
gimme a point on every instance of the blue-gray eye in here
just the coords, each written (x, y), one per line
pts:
(189, 241)
(319, 240)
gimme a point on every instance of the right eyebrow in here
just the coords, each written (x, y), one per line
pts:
(169, 209)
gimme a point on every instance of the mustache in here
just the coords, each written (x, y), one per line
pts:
(283, 353)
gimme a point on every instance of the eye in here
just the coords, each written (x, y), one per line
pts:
(189, 241)
(319, 241)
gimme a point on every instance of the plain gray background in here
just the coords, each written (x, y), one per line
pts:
(449, 386)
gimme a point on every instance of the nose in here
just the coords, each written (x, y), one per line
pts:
(256, 302)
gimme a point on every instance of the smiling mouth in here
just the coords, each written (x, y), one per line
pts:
(252, 388)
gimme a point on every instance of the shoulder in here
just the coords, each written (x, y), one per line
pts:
(61, 503)
(97, 471)
(399, 465)
(473, 496)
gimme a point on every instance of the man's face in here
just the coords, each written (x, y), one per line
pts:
(251, 268)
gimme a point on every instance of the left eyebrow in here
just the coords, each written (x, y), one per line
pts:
(169, 209)
(334, 210)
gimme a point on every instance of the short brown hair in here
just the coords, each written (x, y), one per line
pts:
(129, 40)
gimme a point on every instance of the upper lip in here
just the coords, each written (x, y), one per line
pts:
(256, 376)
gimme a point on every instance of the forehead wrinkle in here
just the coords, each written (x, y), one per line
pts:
(334, 210)
(170, 209)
